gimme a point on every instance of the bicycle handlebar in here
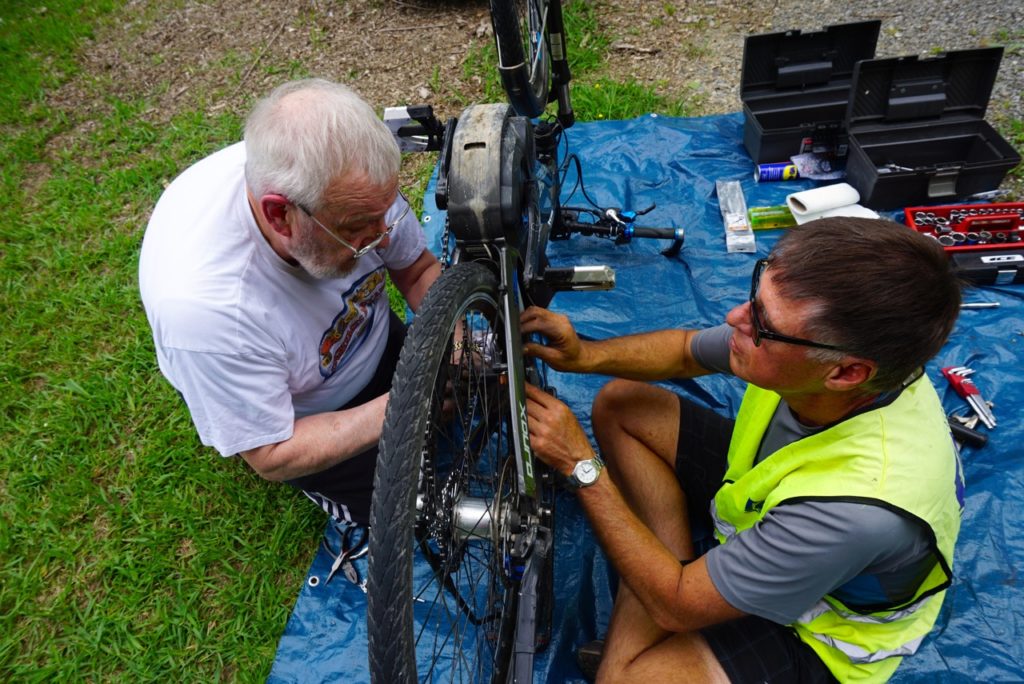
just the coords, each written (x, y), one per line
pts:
(662, 233)
(622, 232)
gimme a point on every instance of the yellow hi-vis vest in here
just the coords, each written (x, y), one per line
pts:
(899, 456)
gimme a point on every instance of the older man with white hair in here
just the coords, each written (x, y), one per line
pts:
(263, 274)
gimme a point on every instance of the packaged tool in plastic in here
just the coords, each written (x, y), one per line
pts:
(739, 237)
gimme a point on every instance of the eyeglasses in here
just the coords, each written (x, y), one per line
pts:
(761, 332)
(370, 246)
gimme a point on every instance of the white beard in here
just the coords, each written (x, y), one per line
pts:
(317, 262)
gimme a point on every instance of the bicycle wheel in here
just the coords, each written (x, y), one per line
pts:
(524, 58)
(447, 492)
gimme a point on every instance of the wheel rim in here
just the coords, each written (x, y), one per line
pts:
(467, 510)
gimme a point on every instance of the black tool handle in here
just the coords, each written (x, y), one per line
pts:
(967, 436)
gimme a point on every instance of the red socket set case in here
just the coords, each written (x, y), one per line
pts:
(984, 241)
(971, 227)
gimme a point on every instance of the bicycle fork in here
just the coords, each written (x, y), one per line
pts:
(533, 548)
(511, 306)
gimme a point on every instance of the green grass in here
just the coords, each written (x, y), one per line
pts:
(128, 551)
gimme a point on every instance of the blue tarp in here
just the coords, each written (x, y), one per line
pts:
(674, 163)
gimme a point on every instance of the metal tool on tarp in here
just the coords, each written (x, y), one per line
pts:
(354, 544)
(958, 378)
(962, 429)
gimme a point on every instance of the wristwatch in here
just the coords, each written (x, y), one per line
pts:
(586, 472)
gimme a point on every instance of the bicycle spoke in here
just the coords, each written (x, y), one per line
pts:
(458, 612)
(467, 574)
(537, 44)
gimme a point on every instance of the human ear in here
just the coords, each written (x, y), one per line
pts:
(849, 374)
(275, 212)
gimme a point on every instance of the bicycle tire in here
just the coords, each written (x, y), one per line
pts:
(524, 58)
(457, 621)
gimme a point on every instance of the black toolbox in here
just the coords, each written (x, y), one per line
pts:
(795, 89)
(1001, 267)
(917, 129)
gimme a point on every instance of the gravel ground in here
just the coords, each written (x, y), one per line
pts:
(707, 53)
(923, 27)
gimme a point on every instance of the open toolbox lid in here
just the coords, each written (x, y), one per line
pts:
(952, 86)
(793, 60)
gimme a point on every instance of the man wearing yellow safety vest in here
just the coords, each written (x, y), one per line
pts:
(812, 538)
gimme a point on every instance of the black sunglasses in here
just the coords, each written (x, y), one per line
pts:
(761, 332)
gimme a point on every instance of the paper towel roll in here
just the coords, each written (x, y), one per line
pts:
(811, 204)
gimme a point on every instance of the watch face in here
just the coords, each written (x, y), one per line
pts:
(586, 472)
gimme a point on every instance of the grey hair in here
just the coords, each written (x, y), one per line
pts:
(307, 133)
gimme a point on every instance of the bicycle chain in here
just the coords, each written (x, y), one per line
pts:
(445, 238)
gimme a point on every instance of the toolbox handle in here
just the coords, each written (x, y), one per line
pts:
(803, 73)
(917, 99)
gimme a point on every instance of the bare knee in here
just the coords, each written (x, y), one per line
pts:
(613, 401)
(628, 415)
(613, 407)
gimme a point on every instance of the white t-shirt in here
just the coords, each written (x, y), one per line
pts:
(251, 342)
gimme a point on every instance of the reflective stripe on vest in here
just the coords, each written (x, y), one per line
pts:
(823, 606)
(858, 655)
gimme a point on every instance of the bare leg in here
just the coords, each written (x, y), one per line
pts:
(637, 428)
(637, 650)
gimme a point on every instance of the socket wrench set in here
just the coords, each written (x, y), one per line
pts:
(971, 227)
(984, 241)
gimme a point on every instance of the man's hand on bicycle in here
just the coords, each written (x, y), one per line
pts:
(556, 436)
(564, 350)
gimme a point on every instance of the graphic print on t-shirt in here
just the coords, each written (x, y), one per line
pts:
(349, 328)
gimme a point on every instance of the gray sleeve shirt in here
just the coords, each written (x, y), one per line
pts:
(861, 553)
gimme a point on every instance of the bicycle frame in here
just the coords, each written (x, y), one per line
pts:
(517, 69)
(486, 215)
(499, 180)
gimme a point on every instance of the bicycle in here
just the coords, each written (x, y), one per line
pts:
(456, 479)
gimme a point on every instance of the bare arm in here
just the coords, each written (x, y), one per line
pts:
(320, 441)
(414, 280)
(648, 356)
(678, 599)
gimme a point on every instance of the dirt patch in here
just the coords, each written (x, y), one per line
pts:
(217, 55)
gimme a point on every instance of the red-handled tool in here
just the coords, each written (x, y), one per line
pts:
(965, 387)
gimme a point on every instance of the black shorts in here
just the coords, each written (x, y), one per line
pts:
(344, 490)
(700, 465)
(750, 649)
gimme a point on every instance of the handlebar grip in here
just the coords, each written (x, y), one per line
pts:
(662, 233)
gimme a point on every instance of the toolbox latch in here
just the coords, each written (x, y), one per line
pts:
(1005, 276)
(943, 183)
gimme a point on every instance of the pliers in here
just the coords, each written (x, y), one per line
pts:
(354, 544)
